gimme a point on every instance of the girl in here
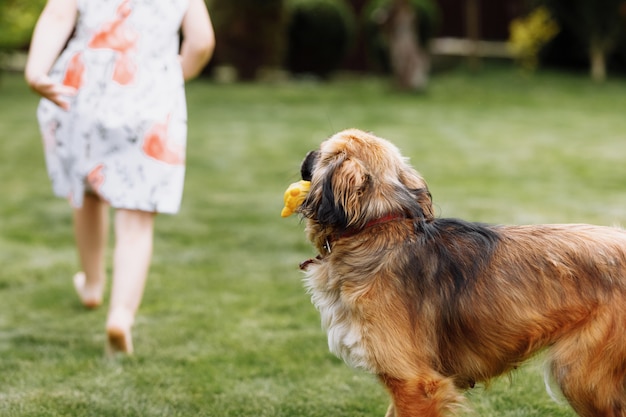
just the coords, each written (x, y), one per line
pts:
(114, 124)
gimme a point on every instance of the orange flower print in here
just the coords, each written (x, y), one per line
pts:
(118, 36)
(74, 71)
(156, 146)
(95, 178)
(125, 69)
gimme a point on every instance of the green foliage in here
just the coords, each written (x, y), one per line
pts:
(226, 328)
(319, 35)
(376, 42)
(17, 21)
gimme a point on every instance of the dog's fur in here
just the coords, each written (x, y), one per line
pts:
(432, 306)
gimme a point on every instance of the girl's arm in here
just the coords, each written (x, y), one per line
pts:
(53, 28)
(198, 39)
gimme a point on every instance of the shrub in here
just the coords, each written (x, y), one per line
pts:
(319, 35)
(529, 35)
(249, 34)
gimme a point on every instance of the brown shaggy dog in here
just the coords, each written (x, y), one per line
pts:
(432, 306)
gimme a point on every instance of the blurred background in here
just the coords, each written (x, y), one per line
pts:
(260, 39)
(513, 110)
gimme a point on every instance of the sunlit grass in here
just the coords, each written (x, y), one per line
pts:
(226, 328)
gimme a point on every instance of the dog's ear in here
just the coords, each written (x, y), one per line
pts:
(342, 189)
(306, 168)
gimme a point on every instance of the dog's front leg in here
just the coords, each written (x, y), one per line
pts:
(430, 395)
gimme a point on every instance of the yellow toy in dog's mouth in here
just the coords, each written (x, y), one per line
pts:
(294, 197)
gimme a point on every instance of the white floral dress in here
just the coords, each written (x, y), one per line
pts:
(124, 137)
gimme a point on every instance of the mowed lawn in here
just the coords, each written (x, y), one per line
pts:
(226, 328)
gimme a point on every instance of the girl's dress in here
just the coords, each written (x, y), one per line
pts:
(125, 134)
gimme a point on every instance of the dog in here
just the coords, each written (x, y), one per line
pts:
(433, 305)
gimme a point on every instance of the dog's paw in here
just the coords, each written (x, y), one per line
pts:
(294, 197)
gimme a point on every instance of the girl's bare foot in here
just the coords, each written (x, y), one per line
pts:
(91, 297)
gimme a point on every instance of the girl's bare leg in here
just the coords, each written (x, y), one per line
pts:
(131, 261)
(91, 225)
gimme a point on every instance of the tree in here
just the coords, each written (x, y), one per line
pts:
(409, 60)
(597, 25)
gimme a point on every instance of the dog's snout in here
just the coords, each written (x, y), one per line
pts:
(306, 169)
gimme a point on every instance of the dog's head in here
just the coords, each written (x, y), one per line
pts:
(356, 178)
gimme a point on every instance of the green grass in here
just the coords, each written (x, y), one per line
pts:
(226, 328)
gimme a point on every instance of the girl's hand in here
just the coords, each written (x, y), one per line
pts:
(55, 92)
